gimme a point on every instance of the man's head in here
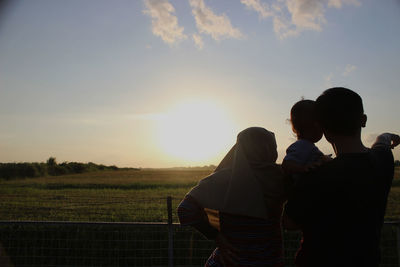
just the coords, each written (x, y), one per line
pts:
(340, 112)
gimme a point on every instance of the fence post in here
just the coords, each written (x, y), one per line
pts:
(170, 234)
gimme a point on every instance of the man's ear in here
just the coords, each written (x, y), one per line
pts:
(363, 120)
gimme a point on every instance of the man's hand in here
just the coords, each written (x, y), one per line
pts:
(387, 140)
(395, 140)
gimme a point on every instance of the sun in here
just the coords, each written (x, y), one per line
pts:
(195, 131)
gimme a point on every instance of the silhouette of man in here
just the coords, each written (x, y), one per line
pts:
(340, 205)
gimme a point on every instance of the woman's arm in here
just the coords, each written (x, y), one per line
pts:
(191, 213)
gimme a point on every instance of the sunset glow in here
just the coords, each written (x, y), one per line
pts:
(170, 83)
(195, 131)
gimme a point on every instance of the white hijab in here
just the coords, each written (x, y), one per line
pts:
(247, 181)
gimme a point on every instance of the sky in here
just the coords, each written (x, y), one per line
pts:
(166, 83)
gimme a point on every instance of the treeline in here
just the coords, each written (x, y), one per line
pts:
(191, 168)
(51, 167)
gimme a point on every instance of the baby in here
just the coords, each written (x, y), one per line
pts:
(303, 153)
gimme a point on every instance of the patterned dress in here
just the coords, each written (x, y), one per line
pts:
(257, 242)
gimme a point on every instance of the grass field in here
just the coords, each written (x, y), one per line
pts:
(123, 196)
(113, 196)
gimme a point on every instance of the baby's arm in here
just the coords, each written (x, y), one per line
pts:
(291, 167)
(296, 155)
(387, 140)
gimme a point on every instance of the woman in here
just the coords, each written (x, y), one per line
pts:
(240, 204)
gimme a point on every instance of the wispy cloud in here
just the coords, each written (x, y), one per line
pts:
(261, 8)
(207, 22)
(334, 76)
(328, 80)
(198, 40)
(164, 22)
(291, 17)
(348, 69)
(339, 3)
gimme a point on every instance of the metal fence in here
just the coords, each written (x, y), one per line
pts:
(131, 244)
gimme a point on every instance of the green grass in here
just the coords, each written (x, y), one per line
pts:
(123, 196)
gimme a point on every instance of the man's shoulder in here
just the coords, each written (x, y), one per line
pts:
(352, 167)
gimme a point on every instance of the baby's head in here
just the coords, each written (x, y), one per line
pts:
(304, 121)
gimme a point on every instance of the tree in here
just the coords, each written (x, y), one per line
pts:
(51, 162)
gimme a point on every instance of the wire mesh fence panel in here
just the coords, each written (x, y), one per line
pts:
(119, 244)
(190, 247)
(390, 250)
(291, 242)
(63, 244)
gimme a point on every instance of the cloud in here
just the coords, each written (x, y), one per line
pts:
(261, 8)
(339, 3)
(198, 41)
(296, 16)
(164, 23)
(328, 80)
(348, 69)
(207, 22)
(283, 28)
(307, 14)
(291, 17)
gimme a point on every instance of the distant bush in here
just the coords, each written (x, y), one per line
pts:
(397, 163)
(27, 169)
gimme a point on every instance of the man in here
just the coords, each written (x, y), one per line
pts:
(340, 205)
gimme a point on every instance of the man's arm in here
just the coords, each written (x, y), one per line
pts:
(387, 140)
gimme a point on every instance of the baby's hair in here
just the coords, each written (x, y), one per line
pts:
(302, 116)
